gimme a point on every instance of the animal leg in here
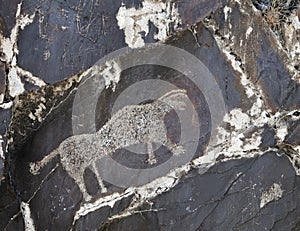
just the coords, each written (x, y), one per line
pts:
(151, 156)
(99, 178)
(79, 180)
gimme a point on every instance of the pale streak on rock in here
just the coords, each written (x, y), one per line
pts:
(1, 148)
(110, 71)
(236, 64)
(254, 116)
(9, 47)
(140, 194)
(110, 201)
(226, 48)
(240, 121)
(273, 194)
(146, 193)
(37, 114)
(282, 131)
(28, 221)
(244, 124)
(257, 113)
(248, 122)
(6, 105)
(233, 142)
(249, 31)
(238, 2)
(226, 11)
(29, 77)
(237, 118)
(15, 85)
(134, 21)
(280, 121)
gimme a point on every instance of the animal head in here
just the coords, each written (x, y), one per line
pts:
(175, 99)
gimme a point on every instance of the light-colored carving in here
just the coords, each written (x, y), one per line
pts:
(133, 124)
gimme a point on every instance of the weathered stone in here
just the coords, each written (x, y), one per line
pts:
(71, 115)
(226, 197)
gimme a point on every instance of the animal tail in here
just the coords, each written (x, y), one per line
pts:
(35, 168)
(174, 99)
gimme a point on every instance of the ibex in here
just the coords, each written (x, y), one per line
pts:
(133, 124)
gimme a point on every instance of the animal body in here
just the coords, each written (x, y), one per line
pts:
(133, 124)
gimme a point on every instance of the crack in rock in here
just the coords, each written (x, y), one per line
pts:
(9, 53)
(239, 141)
(144, 194)
(247, 127)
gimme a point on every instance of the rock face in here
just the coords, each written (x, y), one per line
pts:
(149, 115)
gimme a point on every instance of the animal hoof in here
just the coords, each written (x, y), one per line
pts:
(33, 168)
(87, 198)
(152, 161)
(104, 190)
(178, 150)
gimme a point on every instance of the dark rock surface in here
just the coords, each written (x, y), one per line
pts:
(67, 82)
(226, 197)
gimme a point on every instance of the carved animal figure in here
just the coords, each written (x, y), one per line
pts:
(133, 124)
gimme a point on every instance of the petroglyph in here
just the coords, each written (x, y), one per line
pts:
(133, 124)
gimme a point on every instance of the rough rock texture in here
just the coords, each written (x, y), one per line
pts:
(98, 136)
